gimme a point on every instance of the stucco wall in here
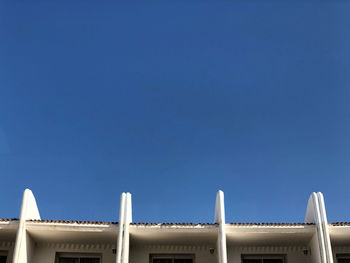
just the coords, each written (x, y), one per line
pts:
(46, 253)
(141, 254)
(315, 250)
(293, 254)
(30, 247)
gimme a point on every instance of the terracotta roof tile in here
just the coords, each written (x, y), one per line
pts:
(74, 222)
(340, 224)
(7, 219)
(271, 224)
(172, 224)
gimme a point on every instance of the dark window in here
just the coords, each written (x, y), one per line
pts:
(263, 259)
(343, 258)
(3, 259)
(183, 260)
(78, 259)
(89, 260)
(172, 258)
(162, 260)
(252, 260)
(272, 260)
(68, 260)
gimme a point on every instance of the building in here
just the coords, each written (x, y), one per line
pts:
(32, 240)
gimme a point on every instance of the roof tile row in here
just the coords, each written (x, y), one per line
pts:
(169, 223)
(8, 219)
(172, 224)
(74, 222)
(271, 224)
(340, 224)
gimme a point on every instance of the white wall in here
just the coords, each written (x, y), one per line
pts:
(30, 248)
(141, 254)
(315, 250)
(294, 254)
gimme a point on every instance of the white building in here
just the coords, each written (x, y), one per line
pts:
(32, 240)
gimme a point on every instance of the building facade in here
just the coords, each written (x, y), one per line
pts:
(30, 239)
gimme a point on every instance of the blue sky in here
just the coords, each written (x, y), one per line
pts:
(172, 102)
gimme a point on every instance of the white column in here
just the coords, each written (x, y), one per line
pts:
(316, 213)
(120, 228)
(220, 219)
(125, 218)
(127, 221)
(23, 245)
(324, 222)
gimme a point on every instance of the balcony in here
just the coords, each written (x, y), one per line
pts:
(173, 243)
(292, 243)
(48, 239)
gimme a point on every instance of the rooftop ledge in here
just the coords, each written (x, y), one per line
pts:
(9, 224)
(74, 222)
(172, 224)
(15, 221)
(144, 227)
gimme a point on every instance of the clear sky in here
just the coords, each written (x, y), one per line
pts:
(172, 102)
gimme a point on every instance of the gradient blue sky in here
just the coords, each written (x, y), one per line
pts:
(173, 101)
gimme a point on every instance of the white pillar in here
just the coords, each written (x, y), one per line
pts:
(127, 221)
(220, 219)
(316, 213)
(29, 211)
(125, 218)
(324, 222)
(120, 228)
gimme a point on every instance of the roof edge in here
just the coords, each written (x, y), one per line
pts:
(80, 222)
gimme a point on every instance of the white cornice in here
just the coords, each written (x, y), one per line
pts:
(6, 245)
(77, 246)
(268, 249)
(172, 248)
(56, 227)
